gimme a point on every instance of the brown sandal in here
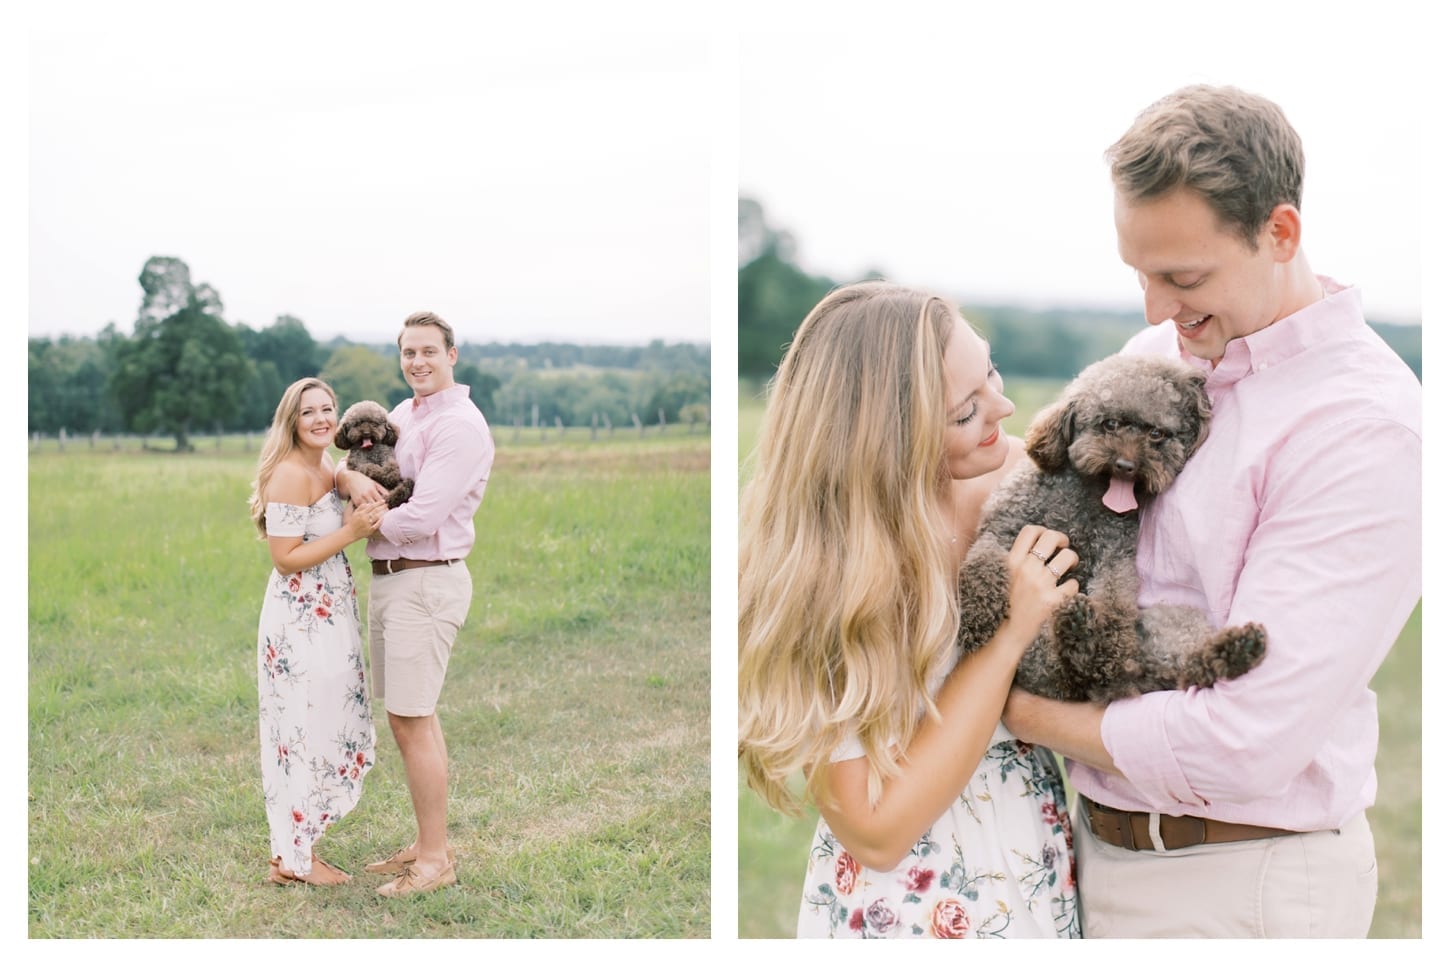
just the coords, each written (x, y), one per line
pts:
(276, 874)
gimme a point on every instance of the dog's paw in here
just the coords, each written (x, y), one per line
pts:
(1238, 649)
(1075, 619)
(400, 494)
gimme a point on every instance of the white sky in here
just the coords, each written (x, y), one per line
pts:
(964, 152)
(349, 164)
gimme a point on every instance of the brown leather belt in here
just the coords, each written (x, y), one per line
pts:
(1129, 830)
(404, 563)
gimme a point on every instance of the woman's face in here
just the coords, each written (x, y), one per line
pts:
(316, 419)
(975, 405)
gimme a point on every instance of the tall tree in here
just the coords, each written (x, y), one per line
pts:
(774, 293)
(283, 353)
(184, 368)
(359, 373)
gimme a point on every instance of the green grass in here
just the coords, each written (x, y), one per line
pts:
(576, 707)
(772, 848)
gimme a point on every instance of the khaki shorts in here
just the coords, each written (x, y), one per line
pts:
(1297, 886)
(413, 618)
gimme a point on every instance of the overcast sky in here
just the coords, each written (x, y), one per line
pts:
(964, 152)
(349, 164)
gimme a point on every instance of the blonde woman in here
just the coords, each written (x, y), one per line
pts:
(316, 725)
(882, 439)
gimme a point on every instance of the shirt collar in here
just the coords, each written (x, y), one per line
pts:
(443, 397)
(1336, 313)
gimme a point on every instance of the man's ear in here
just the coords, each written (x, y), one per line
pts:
(1282, 232)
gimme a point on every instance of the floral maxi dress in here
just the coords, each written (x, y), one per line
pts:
(998, 863)
(316, 724)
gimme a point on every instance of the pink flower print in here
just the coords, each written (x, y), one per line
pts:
(918, 878)
(949, 920)
(297, 816)
(847, 871)
(858, 920)
(354, 773)
(294, 583)
(361, 759)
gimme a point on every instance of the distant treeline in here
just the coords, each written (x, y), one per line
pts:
(775, 295)
(184, 369)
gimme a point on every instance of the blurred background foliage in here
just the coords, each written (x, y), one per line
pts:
(1050, 343)
(183, 370)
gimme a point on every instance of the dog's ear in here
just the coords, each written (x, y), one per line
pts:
(344, 440)
(1049, 435)
(1198, 404)
(390, 433)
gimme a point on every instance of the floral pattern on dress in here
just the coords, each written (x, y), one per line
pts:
(993, 865)
(315, 725)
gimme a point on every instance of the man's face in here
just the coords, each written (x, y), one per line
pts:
(427, 366)
(1196, 273)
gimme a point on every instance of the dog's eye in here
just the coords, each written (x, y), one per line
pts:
(1157, 435)
(1111, 425)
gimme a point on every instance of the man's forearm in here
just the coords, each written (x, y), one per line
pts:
(1072, 729)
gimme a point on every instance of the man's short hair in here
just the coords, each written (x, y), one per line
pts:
(1235, 149)
(426, 318)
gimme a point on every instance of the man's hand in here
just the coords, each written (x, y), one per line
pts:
(358, 487)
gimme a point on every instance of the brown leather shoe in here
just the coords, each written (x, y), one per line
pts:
(400, 861)
(411, 881)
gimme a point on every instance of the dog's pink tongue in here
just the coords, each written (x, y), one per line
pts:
(367, 444)
(1119, 498)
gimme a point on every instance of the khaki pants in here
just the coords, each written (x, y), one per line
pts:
(1302, 885)
(413, 618)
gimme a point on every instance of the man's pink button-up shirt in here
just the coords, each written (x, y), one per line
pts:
(445, 445)
(1302, 512)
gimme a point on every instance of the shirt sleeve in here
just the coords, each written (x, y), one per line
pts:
(458, 457)
(1332, 572)
(286, 520)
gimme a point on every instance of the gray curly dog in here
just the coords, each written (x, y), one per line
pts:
(1120, 433)
(368, 436)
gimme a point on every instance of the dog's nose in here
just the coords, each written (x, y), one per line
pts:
(1125, 466)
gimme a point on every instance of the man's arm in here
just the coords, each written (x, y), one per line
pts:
(357, 486)
(1073, 729)
(1332, 571)
(458, 455)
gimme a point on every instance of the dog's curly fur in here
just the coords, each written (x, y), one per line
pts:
(368, 436)
(1138, 418)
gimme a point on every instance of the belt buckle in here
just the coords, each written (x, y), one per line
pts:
(1121, 820)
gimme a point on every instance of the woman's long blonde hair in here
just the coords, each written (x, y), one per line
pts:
(281, 441)
(847, 585)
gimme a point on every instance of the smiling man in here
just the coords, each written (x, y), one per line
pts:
(1240, 810)
(421, 588)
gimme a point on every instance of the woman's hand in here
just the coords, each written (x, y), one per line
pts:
(363, 520)
(1038, 561)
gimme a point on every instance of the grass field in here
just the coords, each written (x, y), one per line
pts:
(773, 848)
(576, 707)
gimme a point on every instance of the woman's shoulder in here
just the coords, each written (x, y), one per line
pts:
(290, 484)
